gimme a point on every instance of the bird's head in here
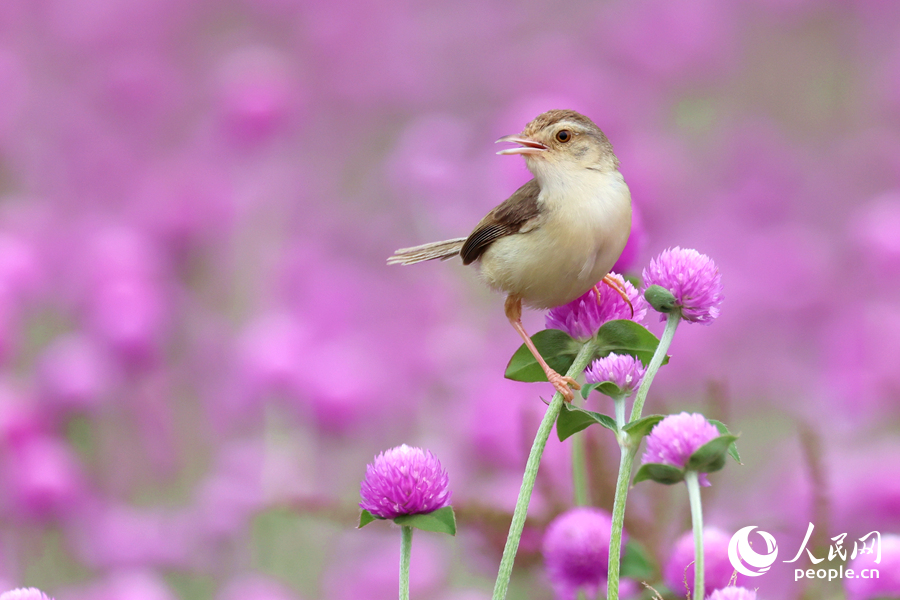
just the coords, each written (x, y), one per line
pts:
(562, 140)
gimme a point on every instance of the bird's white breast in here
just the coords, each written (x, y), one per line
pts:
(583, 228)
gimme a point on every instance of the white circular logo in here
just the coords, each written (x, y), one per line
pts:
(744, 559)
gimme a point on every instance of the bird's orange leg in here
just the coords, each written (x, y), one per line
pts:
(615, 285)
(562, 383)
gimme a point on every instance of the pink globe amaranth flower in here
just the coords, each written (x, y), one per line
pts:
(576, 551)
(582, 317)
(24, 594)
(72, 373)
(635, 245)
(887, 584)
(718, 570)
(404, 481)
(255, 587)
(136, 584)
(693, 279)
(44, 478)
(676, 437)
(256, 94)
(733, 593)
(624, 370)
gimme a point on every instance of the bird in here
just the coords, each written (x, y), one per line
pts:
(558, 235)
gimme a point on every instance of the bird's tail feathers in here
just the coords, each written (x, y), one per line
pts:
(442, 250)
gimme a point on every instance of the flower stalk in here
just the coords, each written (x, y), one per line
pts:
(691, 478)
(579, 472)
(629, 450)
(531, 468)
(672, 320)
(618, 520)
(406, 533)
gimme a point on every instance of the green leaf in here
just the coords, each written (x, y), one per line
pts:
(732, 449)
(637, 563)
(638, 429)
(443, 520)
(710, 456)
(626, 337)
(365, 517)
(607, 388)
(659, 473)
(572, 419)
(587, 388)
(557, 348)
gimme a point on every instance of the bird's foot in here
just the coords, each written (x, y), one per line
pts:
(618, 288)
(563, 384)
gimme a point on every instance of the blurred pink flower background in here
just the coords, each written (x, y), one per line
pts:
(201, 346)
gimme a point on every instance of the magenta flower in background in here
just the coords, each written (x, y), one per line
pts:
(635, 245)
(404, 481)
(676, 437)
(255, 587)
(72, 373)
(256, 94)
(134, 584)
(693, 279)
(576, 551)
(582, 317)
(717, 568)
(733, 593)
(887, 584)
(45, 478)
(24, 594)
(624, 370)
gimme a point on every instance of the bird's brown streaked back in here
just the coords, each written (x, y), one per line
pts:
(506, 219)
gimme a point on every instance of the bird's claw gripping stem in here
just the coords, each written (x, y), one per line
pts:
(563, 384)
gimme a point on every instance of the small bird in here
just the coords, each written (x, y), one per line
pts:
(559, 234)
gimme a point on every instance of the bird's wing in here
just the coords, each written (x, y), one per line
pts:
(508, 218)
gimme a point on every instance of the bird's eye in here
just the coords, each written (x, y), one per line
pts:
(564, 135)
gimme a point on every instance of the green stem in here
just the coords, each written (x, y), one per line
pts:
(693, 486)
(620, 411)
(406, 533)
(629, 452)
(579, 470)
(618, 520)
(655, 363)
(531, 468)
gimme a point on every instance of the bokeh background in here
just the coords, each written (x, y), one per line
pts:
(201, 346)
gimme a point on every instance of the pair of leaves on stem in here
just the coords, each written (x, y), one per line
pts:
(559, 349)
(572, 419)
(708, 458)
(443, 520)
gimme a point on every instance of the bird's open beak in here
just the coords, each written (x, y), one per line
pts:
(527, 146)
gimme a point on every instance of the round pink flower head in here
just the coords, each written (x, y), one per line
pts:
(576, 551)
(24, 594)
(717, 568)
(676, 437)
(623, 370)
(404, 481)
(692, 278)
(733, 593)
(582, 317)
(887, 584)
